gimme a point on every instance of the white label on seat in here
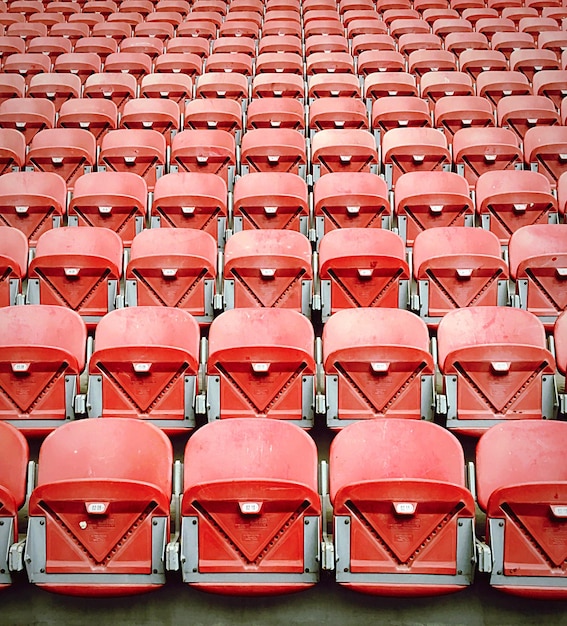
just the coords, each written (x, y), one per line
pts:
(267, 273)
(188, 210)
(449, 93)
(20, 124)
(403, 122)
(490, 158)
(507, 92)
(22, 209)
(365, 272)
(392, 93)
(278, 93)
(562, 157)
(273, 158)
(50, 94)
(275, 124)
(260, 368)
(345, 159)
(380, 368)
(353, 210)
(520, 208)
(203, 160)
(105, 210)
(500, 367)
(559, 510)
(561, 272)
(405, 508)
(147, 124)
(436, 208)
(19, 368)
(250, 508)
(339, 124)
(419, 158)
(57, 160)
(142, 368)
(130, 160)
(464, 273)
(107, 94)
(270, 210)
(177, 70)
(71, 272)
(85, 125)
(96, 508)
(532, 121)
(170, 272)
(212, 123)
(466, 122)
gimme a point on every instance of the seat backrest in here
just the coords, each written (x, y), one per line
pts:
(14, 456)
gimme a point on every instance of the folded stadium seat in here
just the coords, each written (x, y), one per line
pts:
(392, 13)
(271, 200)
(27, 64)
(57, 88)
(173, 267)
(362, 267)
(152, 46)
(343, 150)
(136, 64)
(11, 86)
(201, 27)
(104, 7)
(545, 149)
(268, 112)
(365, 26)
(380, 61)
(160, 30)
(489, 26)
(508, 42)
(152, 113)
(411, 42)
(346, 200)
(83, 64)
(401, 26)
(522, 487)
(517, 11)
(191, 200)
(273, 150)
(27, 115)
(457, 267)
(403, 514)
(113, 86)
(329, 63)
(321, 26)
(362, 43)
(333, 85)
(557, 12)
(242, 13)
(73, 30)
(239, 28)
(495, 366)
(261, 365)
(220, 6)
(169, 85)
(537, 25)
(254, 487)
(240, 45)
(413, 150)
(189, 45)
(399, 112)
(445, 25)
(26, 7)
(538, 264)
(27, 30)
(83, 485)
(508, 200)
(529, 62)
(226, 62)
(438, 84)
(77, 268)
(480, 150)
(521, 113)
(137, 6)
(475, 14)
(69, 152)
(552, 40)
(326, 43)
(278, 43)
(222, 85)
(268, 268)
(12, 150)
(279, 62)
(174, 18)
(381, 84)
(11, 45)
(213, 113)
(177, 6)
(127, 17)
(440, 11)
(144, 366)
(423, 61)
(93, 114)
(339, 113)
(552, 84)
(13, 473)
(281, 28)
(208, 151)
(454, 113)
(42, 355)
(278, 85)
(459, 41)
(426, 200)
(13, 264)
(142, 152)
(32, 202)
(115, 30)
(476, 62)
(113, 200)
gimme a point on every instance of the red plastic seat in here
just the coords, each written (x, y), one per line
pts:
(476, 62)
(207, 151)
(437, 85)
(537, 25)
(13, 472)
(249, 480)
(381, 84)
(522, 487)
(529, 62)
(423, 61)
(278, 85)
(93, 114)
(496, 366)
(173, 267)
(77, 268)
(73, 29)
(340, 113)
(330, 63)
(333, 85)
(240, 45)
(153, 114)
(113, 30)
(508, 42)
(400, 112)
(170, 85)
(326, 43)
(83, 480)
(11, 86)
(341, 150)
(414, 150)
(267, 112)
(279, 62)
(227, 62)
(281, 28)
(27, 30)
(11, 44)
(521, 113)
(347, 200)
(411, 42)
(363, 43)
(42, 354)
(495, 85)
(273, 150)
(394, 486)
(458, 267)
(546, 147)
(480, 150)
(213, 113)
(189, 45)
(12, 150)
(380, 61)
(152, 46)
(83, 64)
(361, 267)
(222, 85)
(560, 336)
(552, 84)
(32, 202)
(13, 265)
(114, 200)
(27, 115)
(142, 152)
(261, 365)
(112, 86)
(104, 7)
(27, 64)
(278, 43)
(508, 200)
(57, 88)
(144, 366)
(200, 26)
(453, 113)
(444, 25)
(426, 200)
(538, 264)
(268, 268)
(555, 41)
(270, 200)
(460, 41)
(136, 64)
(160, 30)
